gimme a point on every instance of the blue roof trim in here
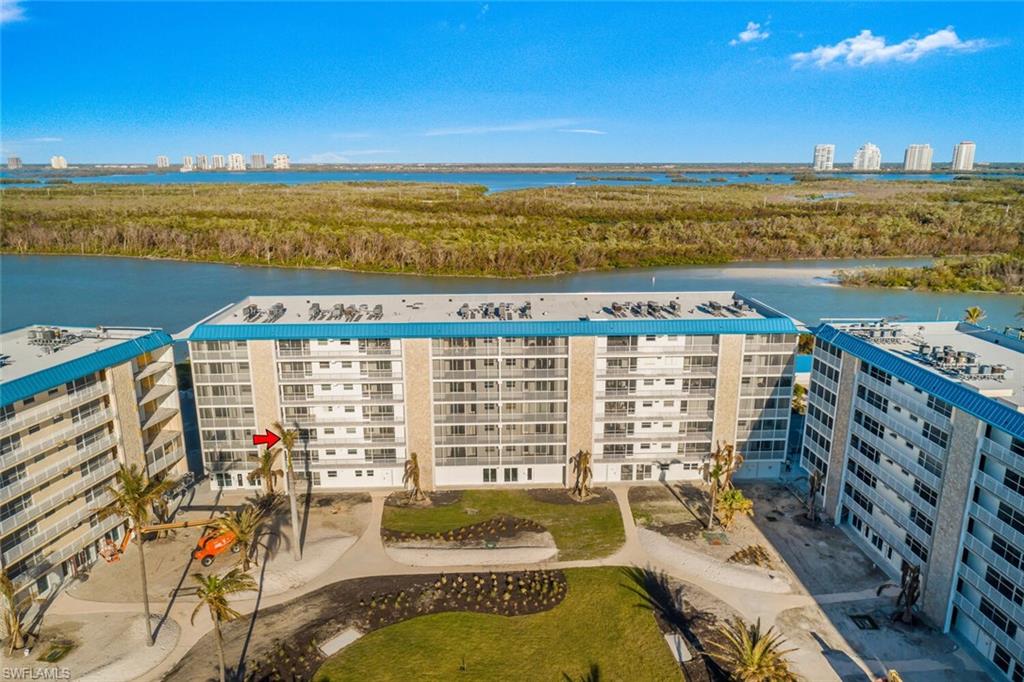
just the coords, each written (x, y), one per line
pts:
(987, 409)
(439, 330)
(43, 380)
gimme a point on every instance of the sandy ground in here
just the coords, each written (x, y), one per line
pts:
(525, 548)
(333, 525)
(108, 647)
(674, 553)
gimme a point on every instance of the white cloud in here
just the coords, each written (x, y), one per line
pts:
(582, 131)
(11, 10)
(866, 48)
(516, 127)
(752, 34)
(45, 140)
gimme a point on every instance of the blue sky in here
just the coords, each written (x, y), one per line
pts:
(504, 82)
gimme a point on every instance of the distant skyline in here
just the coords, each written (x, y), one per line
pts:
(502, 82)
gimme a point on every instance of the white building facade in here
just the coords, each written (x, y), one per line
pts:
(281, 162)
(824, 157)
(918, 157)
(13, 163)
(162, 162)
(58, 162)
(963, 156)
(918, 431)
(867, 158)
(492, 393)
(187, 164)
(236, 162)
(217, 162)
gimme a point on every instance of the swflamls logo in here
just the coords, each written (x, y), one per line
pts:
(30, 673)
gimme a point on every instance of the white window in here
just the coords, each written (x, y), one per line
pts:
(490, 475)
(369, 472)
(325, 365)
(325, 387)
(332, 474)
(359, 473)
(347, 387)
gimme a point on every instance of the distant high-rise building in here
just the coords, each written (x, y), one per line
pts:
(14, 163)
(201, 162)
(58, 162)
(824, 157)
(236, 162)
(259, 161)
(867, 158)
(163, 162)
(918, 157)
(281, 162)
(187, 165)
(217, 162)
(963, 156)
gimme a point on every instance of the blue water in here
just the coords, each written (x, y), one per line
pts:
(494, 182)
(88, 291)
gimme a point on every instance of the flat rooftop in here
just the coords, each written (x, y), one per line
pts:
(38, 357)
(440, 308)
(983, 360)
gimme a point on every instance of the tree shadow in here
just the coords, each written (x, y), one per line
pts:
(677, 493)
(307, 501)
(841, 663)
(240, 668)
(593, 674)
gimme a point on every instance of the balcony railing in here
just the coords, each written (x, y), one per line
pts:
(43, 538)
(339, 377)
(701, 349)
(41, 505)
(156, 393)
(223, 400)
(28, 416)
(153, 368)
(65, 463)
(233, 378)
(64, 435)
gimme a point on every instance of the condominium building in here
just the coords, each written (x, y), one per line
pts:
(202, 163)
(281, 162)
(58, 162)
(918, 429)
(76, 404)
(236, 162)
(259, 161)
(824, 157)
(163, 162)
(187, 165)
(867, 158)
(217, 162)
(963, 156)
(918, 157)
(13, 163)
(494, 390)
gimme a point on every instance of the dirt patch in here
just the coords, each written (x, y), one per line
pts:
(438, 498)
(493, 530)
(561, 496)
(286, 640)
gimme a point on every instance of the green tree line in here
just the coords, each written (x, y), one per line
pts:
(446, 229)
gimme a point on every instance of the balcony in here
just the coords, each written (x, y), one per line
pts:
(678, 349)
(223, 400)
(66, 494)
(466, 374)
(63, 436)
(1011, 645)
(349, 353)
(657, 372)
(165, 461)
(218, 355)
(470, 351)
(487, 418)
(234, 378)
(66, 463)
(158, 416)
(44, 537)
(904, 458)
(65, 553)
(338, 377)
(908, 433)
(29, 416)
(158, 392)
(152, 369)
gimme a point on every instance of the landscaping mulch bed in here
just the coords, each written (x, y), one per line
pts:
(490, 531)
(372, 603)
(562, 496)
(438, 498)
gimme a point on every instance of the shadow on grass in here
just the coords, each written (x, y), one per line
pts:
(593, 674)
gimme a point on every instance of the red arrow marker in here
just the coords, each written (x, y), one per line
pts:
(269, 439)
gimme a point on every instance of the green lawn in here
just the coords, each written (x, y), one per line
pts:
(581, 531)
(600, 624)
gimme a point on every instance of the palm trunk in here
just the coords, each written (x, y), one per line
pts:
(145, 586)
(220, 648)
(711, 505)
(296, 549)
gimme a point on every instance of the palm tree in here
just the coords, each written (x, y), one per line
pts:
(733, 502)
(266, 471)
(719, 469)
(247, 527)
(411, 478)
(213, 593)
(893, 676)
(134, 495)
(751, 655)
(910, 592)
(289, 437)
(12, 625)
(974, 315)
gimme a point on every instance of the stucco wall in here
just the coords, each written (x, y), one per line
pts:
(582, 350)
(727, 388)
(122, 383)
(419, 411)
(840, 436)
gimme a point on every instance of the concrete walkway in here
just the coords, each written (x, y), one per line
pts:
(367, 557)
